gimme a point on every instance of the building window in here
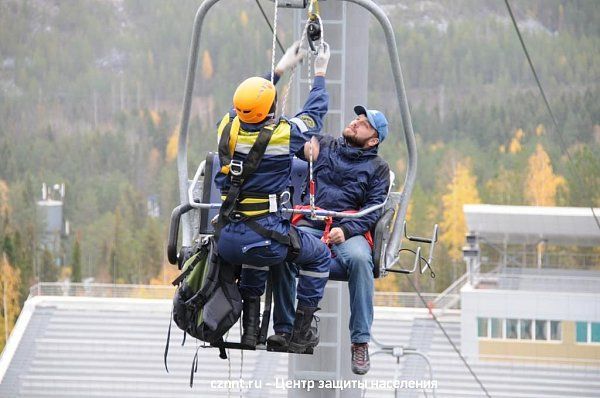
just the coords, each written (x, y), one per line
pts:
(587, 332)
(555, 330)
(595, 332)
(525, 329)
(529, 329)
(541, 330)
(482, 327)
(496, 328)
(512, 328)
(582, 332)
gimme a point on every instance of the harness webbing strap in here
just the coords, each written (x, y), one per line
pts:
(250, 165)
(258, 150)
(264, 325)
(292, 239)
(168, 341)
(227, 143)
(267, 233)
(253, 207)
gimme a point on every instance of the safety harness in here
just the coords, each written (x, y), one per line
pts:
(299, 217)
(240, 206)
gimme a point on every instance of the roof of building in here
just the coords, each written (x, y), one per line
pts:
(113, 347)
(542, 280)
(530, 224)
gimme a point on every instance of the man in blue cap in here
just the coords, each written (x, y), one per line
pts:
(349, 175)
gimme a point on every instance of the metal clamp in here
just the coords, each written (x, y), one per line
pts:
(236, 167)
(314, 30)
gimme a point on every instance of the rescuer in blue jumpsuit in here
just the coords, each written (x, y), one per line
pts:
(238, 241)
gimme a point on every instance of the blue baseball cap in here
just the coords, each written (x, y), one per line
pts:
(376, 119)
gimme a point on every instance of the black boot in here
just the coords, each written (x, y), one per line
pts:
(304, 336)
(250, 320)
(280, 342)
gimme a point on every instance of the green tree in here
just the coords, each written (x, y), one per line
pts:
(9, 286)
(584, 178)
(76, 262)
(48, 267)
(152, 251)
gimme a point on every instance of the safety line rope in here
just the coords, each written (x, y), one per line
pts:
(274, 40)
(302, 37)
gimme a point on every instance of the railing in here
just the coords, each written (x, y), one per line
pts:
(388, 299)
(557, 280)
(530, 259)
(102, 290)
(401, 299)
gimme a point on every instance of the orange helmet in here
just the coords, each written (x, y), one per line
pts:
(253, 99)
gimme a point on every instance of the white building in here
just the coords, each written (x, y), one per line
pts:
(532, 304)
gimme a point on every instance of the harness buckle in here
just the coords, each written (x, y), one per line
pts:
(236, 216)
(236, 167)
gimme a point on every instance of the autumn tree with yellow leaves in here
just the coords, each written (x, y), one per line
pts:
(9, 286)
(461, 190)
(4, 204)
(515, 145)
(172, 145)
(244, 18)
(207, 65)
(542, 185)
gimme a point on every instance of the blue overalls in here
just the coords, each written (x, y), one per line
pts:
(240, 244)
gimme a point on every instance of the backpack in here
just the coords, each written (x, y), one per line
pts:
(207, 302)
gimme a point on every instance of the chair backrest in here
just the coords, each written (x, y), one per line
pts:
(210, 193)
(299, 180)
(381, 234)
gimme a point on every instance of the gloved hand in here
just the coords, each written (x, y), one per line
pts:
(292, 57)
(322, 60)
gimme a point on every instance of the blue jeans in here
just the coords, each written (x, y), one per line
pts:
(355, 259)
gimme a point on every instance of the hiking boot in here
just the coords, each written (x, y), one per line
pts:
(360, 358)
(250, 321)
(280, 341)
(304, 336)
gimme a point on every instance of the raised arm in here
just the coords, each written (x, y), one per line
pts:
(309, 121)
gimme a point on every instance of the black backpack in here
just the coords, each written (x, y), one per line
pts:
(207, 302)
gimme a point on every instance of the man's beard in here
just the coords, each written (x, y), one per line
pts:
(353, 141)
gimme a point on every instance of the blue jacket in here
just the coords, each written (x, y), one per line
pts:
(349, 178)
(273, 173)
